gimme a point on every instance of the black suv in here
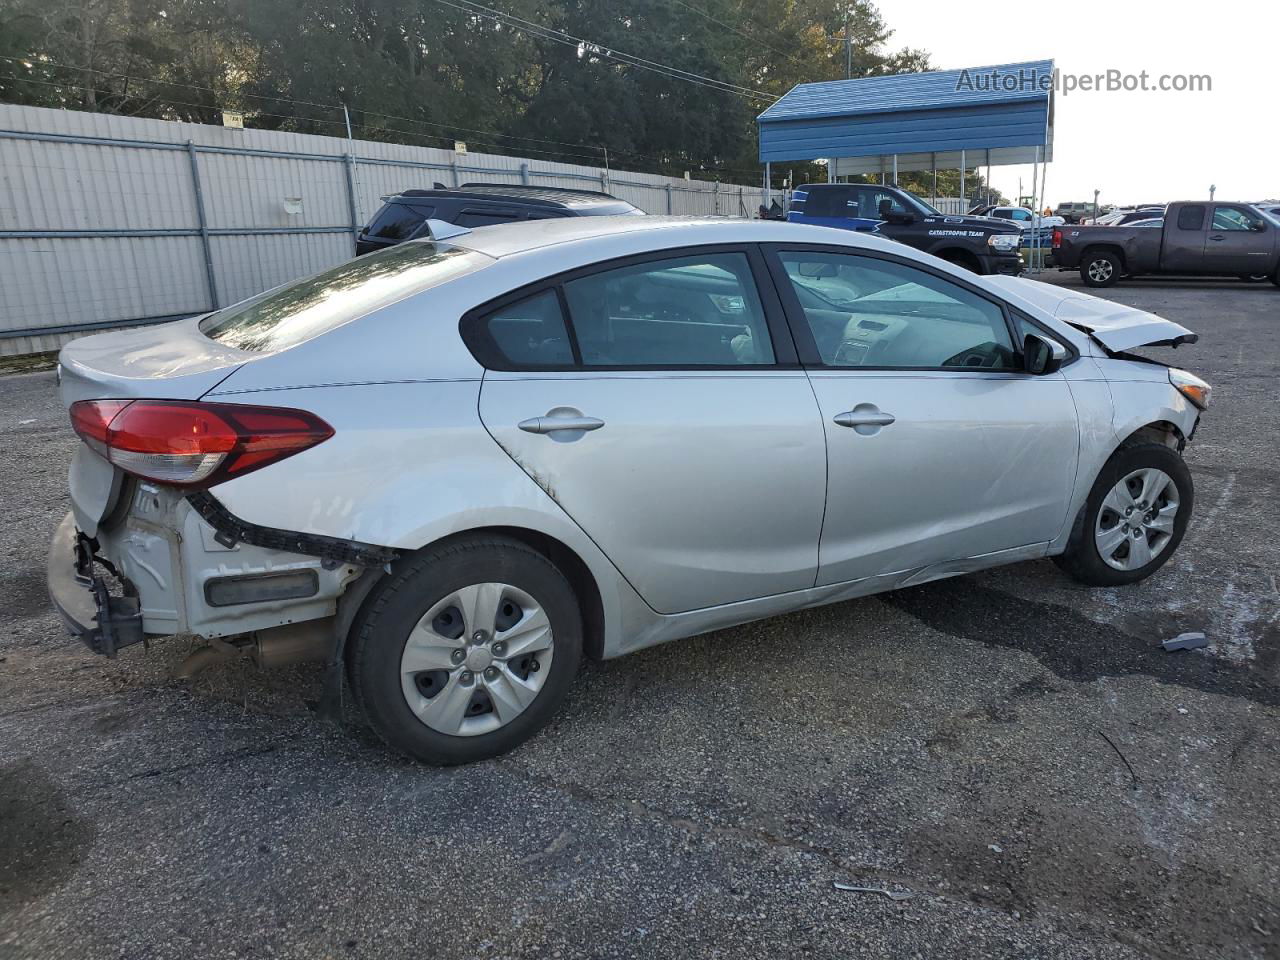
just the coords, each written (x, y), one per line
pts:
(404, 216)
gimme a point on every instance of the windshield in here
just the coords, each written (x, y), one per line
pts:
(1272, 215)
(290, 314)
(927, 209)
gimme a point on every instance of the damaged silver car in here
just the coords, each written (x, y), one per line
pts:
(452, 469)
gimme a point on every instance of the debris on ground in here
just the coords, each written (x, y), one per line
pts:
(891, 894)
(995, 848)
(1123, 758)
(1193, 640)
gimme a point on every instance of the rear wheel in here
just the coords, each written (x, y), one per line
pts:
(467, 651)
(1134, 519)
(1099, 268)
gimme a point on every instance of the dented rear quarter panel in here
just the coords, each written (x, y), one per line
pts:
(410, 464)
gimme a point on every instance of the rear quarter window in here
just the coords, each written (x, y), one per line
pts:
(296, 312)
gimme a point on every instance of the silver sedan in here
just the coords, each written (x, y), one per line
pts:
(452, 469)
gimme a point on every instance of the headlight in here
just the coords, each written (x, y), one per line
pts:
(1004, 242)
(1191, 387)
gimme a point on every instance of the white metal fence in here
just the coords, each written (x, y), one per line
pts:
(110, 221)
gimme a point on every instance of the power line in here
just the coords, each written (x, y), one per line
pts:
(745, 36)
(27, 61)
(603, 50)
(143, 78)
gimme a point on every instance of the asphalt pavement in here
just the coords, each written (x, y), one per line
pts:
(1011, 748)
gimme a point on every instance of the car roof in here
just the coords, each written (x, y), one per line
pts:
(503, 240)
(534, 196)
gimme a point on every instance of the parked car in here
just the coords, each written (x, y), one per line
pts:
(1195, 237)
(975, 243)
(1073, 212)
(453, 468)
(404, 215)
(1023, 218)
(1154, 223)
(1125, 215)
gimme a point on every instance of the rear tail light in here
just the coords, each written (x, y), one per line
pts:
(1057, 238)
(193, 445)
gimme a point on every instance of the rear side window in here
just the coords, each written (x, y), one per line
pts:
(828, 202)
(1191, 217)
(531, 333)
(481, 218)
(297, 312)
(397, 221)
(691, 311)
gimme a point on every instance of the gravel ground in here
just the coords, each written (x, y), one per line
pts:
(1010, 747)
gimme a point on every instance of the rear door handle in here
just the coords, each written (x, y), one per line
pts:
(552, 424)
(860, 416)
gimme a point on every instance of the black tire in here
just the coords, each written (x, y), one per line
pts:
(962, 259)
(1099, 268)
(1275, 278)
(1082, 560)
(379, 635)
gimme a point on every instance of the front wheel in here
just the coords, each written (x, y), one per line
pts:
(1100, 268)
(467, 650)
(1134, 518)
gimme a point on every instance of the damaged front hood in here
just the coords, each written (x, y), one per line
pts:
(1115, 326)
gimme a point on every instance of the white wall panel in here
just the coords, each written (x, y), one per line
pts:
(143, 182)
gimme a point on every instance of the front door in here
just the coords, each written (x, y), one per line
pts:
(1239, 241)
(668, 419)
(939, 447)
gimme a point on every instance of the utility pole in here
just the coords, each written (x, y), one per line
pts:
(1095, 204)
(848, 48)
(1212, 189)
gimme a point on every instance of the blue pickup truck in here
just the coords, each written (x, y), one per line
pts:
(981, 244)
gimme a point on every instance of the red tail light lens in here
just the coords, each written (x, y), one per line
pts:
(1057, 238)
(193, 445)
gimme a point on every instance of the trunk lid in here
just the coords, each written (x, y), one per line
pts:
(172, 361)
(1115, 326)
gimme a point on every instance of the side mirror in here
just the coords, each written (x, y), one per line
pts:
(1257, 226)
(1042, 355)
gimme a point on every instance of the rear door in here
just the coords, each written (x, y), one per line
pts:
(1239, 241)
(939, 447)
(659, 402)
(1182, 240)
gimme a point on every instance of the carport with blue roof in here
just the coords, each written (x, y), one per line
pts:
(980, 116)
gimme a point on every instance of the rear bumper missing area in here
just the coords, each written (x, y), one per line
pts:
(82, 597)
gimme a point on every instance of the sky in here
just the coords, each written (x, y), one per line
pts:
(1134, 147)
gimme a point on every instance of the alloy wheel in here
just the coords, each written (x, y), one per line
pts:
(477, 659)
(1100, 270)
(1135, 522)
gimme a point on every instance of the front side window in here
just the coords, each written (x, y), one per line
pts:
(692, 311)
(1229, 218)
(1191, 217)
(876, 204)
(865, 312)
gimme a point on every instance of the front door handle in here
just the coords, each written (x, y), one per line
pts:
(866, 419)
(1218, 238)
(851, 418)
(552, 424)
